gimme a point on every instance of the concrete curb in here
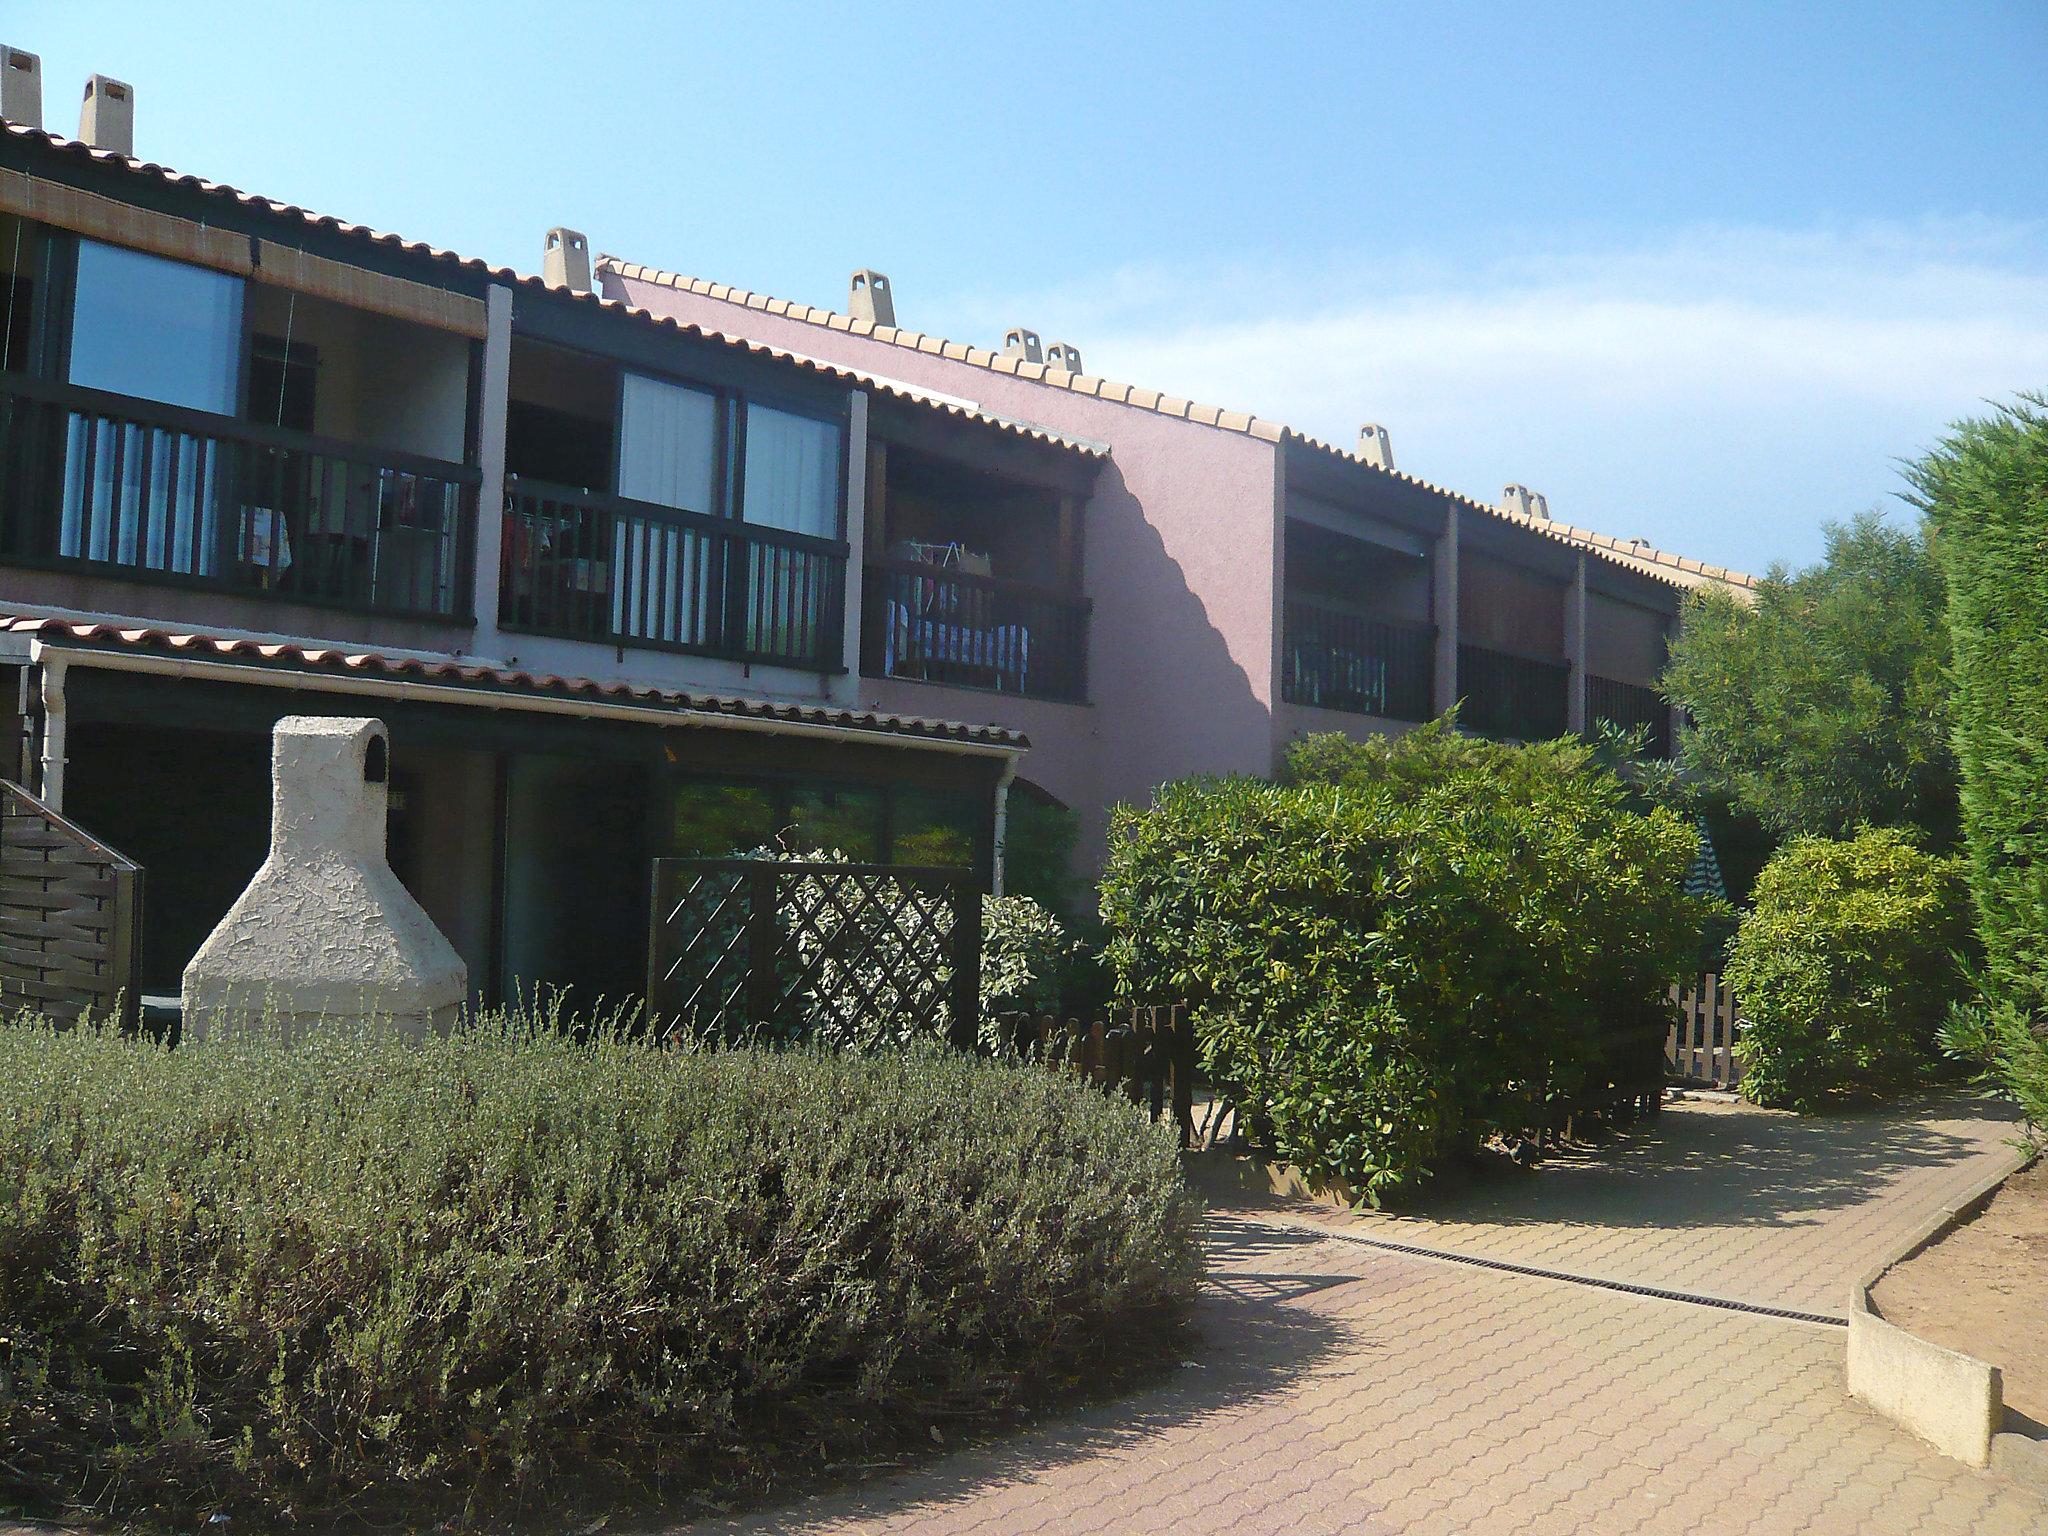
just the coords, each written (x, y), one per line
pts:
(1952, 1400)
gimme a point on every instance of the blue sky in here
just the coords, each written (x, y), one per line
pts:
(1698, 273)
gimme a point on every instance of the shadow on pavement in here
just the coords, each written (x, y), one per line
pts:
(1255, 1338)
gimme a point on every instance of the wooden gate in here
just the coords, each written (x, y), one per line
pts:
(1148, 1053)
(70, 918)
(1702, 1044)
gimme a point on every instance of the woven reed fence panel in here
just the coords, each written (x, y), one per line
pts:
(70, 918)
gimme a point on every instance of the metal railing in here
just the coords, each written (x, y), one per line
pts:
(119, 487)
(590, 566)
(942, 626)
(1513, 696)
(1630, 706)
(1334, 659)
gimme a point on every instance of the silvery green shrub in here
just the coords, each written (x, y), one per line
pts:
(406, 1280)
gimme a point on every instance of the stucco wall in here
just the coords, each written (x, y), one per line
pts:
(1180, 560)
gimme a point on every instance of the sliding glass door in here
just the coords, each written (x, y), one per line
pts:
(162, 331)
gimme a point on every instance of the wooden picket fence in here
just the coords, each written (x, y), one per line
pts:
(1147, 1053)
(70, 918)
(1702, 1044)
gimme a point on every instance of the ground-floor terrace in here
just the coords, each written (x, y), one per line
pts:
(525, 812)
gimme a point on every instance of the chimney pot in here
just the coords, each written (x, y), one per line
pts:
(1064, 354)
(1021, 342)
(106, 119)
(565, 262)
(21, 87)
(1374, 446)
(1515, 499)
(1539, 506)
(869, 297)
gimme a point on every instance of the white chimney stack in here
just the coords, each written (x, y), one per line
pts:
(1023, 343)
(565, 262)
(1064, 354)
(869, 297)
(1374, 446)
(107, 118)
(1523, 502)
(21, 87)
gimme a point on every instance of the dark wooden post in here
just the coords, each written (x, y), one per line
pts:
(762, 941)
(965, 1031)
(1183, 1027)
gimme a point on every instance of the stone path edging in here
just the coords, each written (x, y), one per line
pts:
(1952, 1400)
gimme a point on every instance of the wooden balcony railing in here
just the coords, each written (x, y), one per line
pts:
(590, 566)
(1631, 707)
(113, 486)
(1334, 659)
(941, 626)
(1513, 696)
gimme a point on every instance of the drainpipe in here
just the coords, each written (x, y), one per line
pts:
(1002, 821)
(52, 681)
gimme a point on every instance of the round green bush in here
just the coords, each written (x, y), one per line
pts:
(1844, 968)
(422, 1279)
(1410, 945)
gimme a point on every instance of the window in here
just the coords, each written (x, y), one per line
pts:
(933, 828)
(869, 823)
(668, 444)
(792, 472)
(156, 329)
(829, 819)
(715, 821)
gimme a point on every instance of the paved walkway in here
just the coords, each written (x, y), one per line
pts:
(1717, 1198)
(1343, 1388)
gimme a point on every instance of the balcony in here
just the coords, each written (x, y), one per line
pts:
(107, 485)
(1334, 658)
(1513, 696)
(932, 624)
(587, 565)
(1630, 707)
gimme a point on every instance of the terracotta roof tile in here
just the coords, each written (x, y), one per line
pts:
(486, 679)
(1673, 568)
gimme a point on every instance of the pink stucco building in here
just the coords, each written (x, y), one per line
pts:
(1240, 584)
(632, 565)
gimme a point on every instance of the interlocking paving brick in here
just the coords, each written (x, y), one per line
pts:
(1349, 1389)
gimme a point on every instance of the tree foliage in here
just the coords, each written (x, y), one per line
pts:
(1821, 707)
(1985, 491)
(1846, 964)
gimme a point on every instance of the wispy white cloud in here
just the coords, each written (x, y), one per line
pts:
(1722, 391)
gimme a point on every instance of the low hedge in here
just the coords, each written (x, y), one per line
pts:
(1846, 965)
(1408, 946)
(427, 1279)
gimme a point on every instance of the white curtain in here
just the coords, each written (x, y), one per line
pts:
(792, 472)
(668, 454)
(668, 444)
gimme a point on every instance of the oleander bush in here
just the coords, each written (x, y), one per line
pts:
(1846, 964)
(1408, 946)
(1026, 953)
(419, 1281)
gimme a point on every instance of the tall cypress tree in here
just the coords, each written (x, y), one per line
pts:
(1985, 489)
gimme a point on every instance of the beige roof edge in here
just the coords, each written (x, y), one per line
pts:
(1645, 559)
(476, 267)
